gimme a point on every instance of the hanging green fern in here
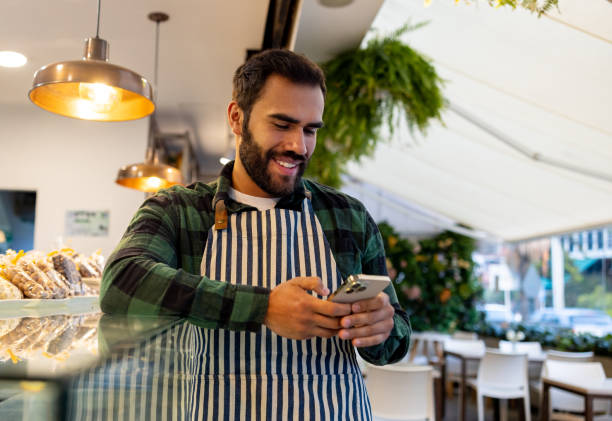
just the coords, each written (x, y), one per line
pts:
(368, 89)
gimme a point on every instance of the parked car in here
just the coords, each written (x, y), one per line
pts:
(579, 320)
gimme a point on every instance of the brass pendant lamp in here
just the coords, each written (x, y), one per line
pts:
(92, 88)
(151, 175)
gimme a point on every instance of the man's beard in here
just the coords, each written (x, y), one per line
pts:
(255, 161)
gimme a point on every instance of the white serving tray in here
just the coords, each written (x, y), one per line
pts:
(32, 307)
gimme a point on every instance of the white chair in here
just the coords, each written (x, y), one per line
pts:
(427, 348)
(562, 402)
(401, 392)
(502, 376)
(576, 357)
(535, 384)
(532, 349)
(460, 334)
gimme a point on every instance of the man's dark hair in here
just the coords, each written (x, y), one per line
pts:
(251, 77)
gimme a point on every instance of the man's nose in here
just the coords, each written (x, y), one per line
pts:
(298, 142)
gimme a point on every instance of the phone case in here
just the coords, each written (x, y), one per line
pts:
(360, 287)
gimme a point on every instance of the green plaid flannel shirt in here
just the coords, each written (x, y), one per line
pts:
(155, 268)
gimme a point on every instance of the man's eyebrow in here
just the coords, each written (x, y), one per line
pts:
(288, 119)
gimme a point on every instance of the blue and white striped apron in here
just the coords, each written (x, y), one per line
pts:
(263, 376)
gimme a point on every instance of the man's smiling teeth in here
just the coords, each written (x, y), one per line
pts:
(286, 164)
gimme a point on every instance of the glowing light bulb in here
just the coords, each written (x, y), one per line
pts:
(12, 59)
(100, 97)
(153, 182)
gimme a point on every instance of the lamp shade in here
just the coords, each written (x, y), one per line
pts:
(92, 88)
(148, 177)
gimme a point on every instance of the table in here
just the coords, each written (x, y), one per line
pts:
(587, 390)
(464, 357)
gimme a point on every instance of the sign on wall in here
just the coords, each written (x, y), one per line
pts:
(84, 223)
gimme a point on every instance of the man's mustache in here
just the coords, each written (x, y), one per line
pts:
(291, 155)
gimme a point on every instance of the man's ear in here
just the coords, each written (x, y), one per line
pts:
(235, 117)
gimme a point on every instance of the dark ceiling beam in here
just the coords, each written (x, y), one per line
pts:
(280, 26)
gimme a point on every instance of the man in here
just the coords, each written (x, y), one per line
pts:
(242, 256)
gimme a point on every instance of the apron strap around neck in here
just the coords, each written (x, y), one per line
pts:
(220, 215)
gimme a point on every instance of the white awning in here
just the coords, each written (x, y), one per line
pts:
(543, 85)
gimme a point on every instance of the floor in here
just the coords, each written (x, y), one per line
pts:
(452, 409)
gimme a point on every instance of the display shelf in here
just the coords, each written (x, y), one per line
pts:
(39, 307)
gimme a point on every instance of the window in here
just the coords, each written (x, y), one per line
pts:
(600, 242)
(17, 214)
(586, 279)
(575, 242)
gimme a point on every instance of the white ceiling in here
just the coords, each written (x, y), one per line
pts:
(544, 83)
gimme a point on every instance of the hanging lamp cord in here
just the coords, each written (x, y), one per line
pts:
(153, 141)
(156, 53)
(98, 25)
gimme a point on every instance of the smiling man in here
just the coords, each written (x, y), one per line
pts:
(249, 259)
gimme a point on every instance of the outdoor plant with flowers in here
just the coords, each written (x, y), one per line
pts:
(434, 279)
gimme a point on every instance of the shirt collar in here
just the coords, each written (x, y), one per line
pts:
(291, 201)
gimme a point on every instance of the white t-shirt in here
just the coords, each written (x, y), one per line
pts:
(261, 203)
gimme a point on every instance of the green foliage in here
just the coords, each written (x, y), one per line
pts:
(575, 282)
(598, 298)
(536, 6)
(586, 289)
(370, 88)
(561, 339)
(434, 279)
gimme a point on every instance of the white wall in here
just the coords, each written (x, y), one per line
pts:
(72, 165)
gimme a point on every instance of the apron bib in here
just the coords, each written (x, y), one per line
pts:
(263, 376)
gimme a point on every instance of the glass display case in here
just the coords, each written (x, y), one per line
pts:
(91, 366)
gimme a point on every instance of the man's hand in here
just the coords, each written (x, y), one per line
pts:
(370, 323)
(296, 314)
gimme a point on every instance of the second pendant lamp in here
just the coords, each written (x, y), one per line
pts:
(151, 175)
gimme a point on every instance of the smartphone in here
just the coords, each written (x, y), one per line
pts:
(359, 287)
